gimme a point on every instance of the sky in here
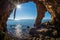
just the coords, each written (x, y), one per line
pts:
(27, 11)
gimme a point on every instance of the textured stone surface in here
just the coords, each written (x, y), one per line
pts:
(52, 6)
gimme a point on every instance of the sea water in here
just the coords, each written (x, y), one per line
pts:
(18, 28)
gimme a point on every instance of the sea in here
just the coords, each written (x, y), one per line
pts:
(18, 28)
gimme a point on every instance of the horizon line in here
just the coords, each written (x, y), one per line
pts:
(27, 18)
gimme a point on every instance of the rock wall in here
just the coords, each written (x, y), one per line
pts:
(5, 10)
(6, 7)
(41, 9)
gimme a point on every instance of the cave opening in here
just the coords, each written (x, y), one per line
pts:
(47, 17)
(6, 7)
(25, 17)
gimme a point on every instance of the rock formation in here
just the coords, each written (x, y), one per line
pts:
(53, 6)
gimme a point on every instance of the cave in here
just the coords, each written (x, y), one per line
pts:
(7, 6)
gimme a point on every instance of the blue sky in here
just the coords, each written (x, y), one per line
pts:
(28, 11)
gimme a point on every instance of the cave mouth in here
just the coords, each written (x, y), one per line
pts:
(24, 18)
(15, 23)
(47, 17)
(4, 17)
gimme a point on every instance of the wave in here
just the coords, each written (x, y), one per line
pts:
(19, 32)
